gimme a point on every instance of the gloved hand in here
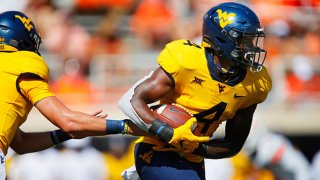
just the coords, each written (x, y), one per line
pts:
(183, 137)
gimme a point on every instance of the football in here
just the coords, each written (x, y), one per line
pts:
(172, 114)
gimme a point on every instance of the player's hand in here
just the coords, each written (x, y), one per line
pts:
(183, 134)
(99, 114)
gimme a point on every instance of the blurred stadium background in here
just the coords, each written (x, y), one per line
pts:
(97, 49)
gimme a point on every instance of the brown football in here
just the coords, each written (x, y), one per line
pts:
(172, 114)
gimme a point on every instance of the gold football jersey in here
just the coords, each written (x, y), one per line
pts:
(212, 102)
(14, 105)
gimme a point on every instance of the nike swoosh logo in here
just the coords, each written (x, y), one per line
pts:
(236, 96)
(173, 109)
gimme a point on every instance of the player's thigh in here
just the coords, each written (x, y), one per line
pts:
(158, 165)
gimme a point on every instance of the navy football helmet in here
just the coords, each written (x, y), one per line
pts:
(17, 32)
(233, 31)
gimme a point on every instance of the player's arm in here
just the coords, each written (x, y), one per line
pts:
(24, 142)
(236, 133)
(74, 123)
(151, 90)
(135, 104)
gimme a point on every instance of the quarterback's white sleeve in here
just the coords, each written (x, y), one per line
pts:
(125, 105)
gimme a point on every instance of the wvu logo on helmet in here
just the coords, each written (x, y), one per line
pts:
(225, 18)
(25, 21)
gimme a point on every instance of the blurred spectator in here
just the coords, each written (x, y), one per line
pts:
(60, 33)
(312, 42)
(152, 22)
(303, 83)
(69, 40)
(36, 166)
(245, 168)
(119, 156)
(275, 152)
(109, 35)
(99, 4)
(73, 87)
(77, 160)
(289, 2)
(8, 5)
(80, 161)
(315, 171)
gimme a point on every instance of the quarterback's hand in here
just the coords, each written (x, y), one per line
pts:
(184, 135)
(99, 114)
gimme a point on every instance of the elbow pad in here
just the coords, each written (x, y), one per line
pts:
(126, 107)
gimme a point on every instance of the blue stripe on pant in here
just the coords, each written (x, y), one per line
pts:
(165, 165)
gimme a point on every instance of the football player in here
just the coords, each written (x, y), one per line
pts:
(221, 80)
(24, 84)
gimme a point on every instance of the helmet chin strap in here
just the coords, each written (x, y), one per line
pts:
(226, 72)
(222, 70)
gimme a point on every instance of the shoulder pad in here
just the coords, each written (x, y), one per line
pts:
(33, 63)
(183, 52)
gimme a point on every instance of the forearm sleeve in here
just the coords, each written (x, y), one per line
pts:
(125, 105)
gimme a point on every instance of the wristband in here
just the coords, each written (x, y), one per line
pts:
(117, 126)
(162, 130)
(59, 136)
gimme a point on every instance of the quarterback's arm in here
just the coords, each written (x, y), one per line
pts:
(76, 124)
(25, 142)
(236, 133)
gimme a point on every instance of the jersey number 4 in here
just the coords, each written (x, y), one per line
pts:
(217, 109)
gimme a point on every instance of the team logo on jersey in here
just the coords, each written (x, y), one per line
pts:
(225, 18)
(197, 80)
(221, 88)
(25, 21)
(146, 157)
